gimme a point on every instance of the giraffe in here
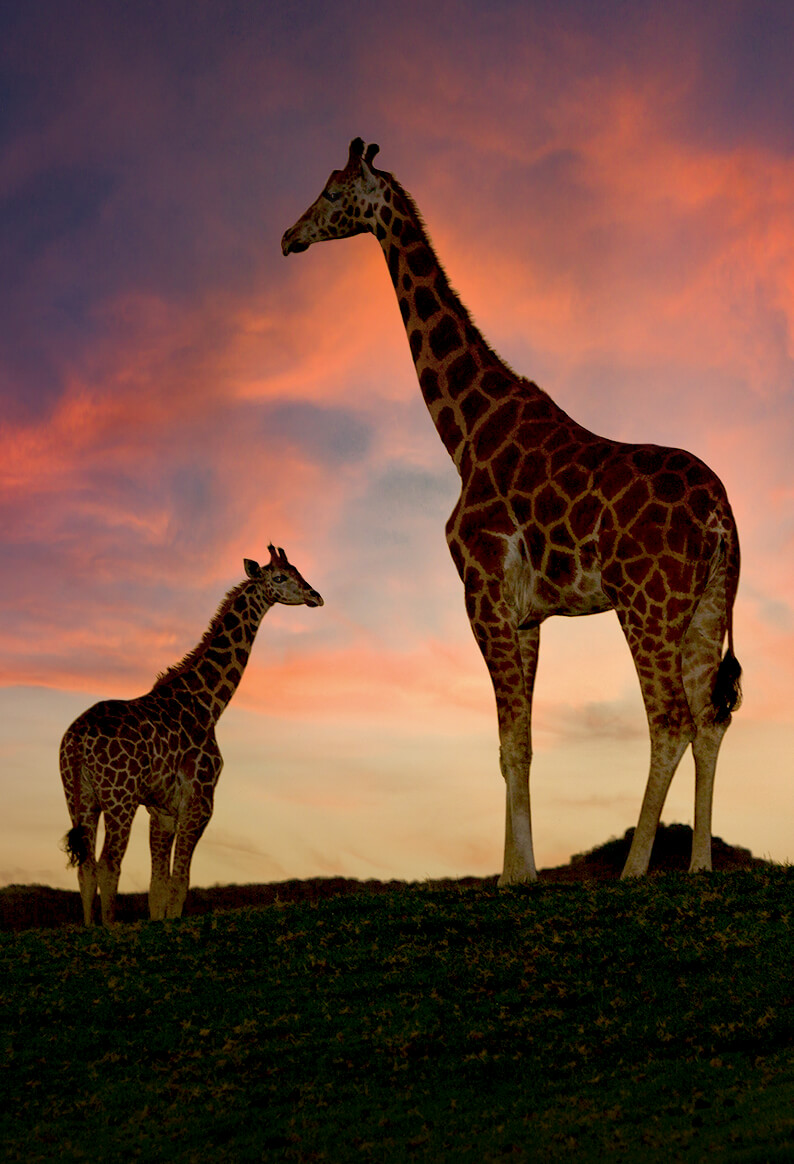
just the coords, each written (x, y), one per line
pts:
(555, 520)
(159, 750)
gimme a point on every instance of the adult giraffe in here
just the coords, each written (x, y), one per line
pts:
(553, 519)
(160, 750)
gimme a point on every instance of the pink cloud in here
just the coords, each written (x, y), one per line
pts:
(430, 683)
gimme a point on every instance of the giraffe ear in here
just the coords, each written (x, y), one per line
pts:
(252, 568)
(359, 159)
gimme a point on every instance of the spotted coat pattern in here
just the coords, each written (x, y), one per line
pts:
(553, 519)
(160, 751)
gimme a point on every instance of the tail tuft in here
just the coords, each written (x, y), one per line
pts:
(727, 693)
(75, 845)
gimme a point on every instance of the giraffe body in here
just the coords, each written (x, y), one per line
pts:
(160, 751)
(555, 520)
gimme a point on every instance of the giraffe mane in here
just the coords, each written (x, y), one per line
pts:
(192, 657)
(446, 286)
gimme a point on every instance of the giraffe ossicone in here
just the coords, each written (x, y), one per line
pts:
(160, 751)
(553, 519)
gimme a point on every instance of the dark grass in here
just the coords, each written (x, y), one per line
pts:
(650, 1021)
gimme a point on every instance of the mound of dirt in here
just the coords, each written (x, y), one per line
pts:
(671, 852)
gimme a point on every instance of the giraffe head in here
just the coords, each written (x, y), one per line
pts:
(281, 582)
(345, 207)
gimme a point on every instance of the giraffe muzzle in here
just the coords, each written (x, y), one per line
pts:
(292, 246)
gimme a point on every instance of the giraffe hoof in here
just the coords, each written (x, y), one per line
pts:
(509, 879)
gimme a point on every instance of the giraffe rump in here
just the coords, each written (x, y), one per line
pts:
(75, 845)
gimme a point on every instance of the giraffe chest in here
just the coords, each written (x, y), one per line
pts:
(555, 580)
(520, 572)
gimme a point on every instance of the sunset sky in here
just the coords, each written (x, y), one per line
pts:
(611, 190)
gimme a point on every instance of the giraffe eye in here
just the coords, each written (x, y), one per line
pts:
(279, 578)
(332, 195)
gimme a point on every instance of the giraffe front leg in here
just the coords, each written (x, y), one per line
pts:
(186, 840)
(162, 830)
(201, 770)
(513, 679)
(514, 758)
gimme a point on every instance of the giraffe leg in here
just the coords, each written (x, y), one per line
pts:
(701, 661)
(202, 772)
(513, 676)
(706, 748)
(667, 748)
(87, 871)
(671, 730)
(83, 806)
(187, 837)
(117, 835)
(162, 830)
(514, 758)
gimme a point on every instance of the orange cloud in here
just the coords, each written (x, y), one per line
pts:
(431, 683)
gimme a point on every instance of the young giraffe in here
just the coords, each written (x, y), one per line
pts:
(160, 750)
(553, 519)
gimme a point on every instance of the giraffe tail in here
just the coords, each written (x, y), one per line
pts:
(76, 842)
(75, 845)
(727, 694)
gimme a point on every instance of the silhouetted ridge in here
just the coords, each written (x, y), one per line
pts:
(671, 851)
(38, 906)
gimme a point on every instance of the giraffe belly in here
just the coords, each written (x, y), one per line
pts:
(167, 820)
(538, 598)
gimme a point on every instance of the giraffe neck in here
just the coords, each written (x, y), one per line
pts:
(460, 375)
(209, 675)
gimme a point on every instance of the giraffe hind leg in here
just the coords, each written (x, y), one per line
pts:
(162, 830)
(83, 842)
(79, 844)
(711, 685)
(117, 835)
(670, 724)
(667, 748)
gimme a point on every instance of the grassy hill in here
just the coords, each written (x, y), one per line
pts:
(588, 1020)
